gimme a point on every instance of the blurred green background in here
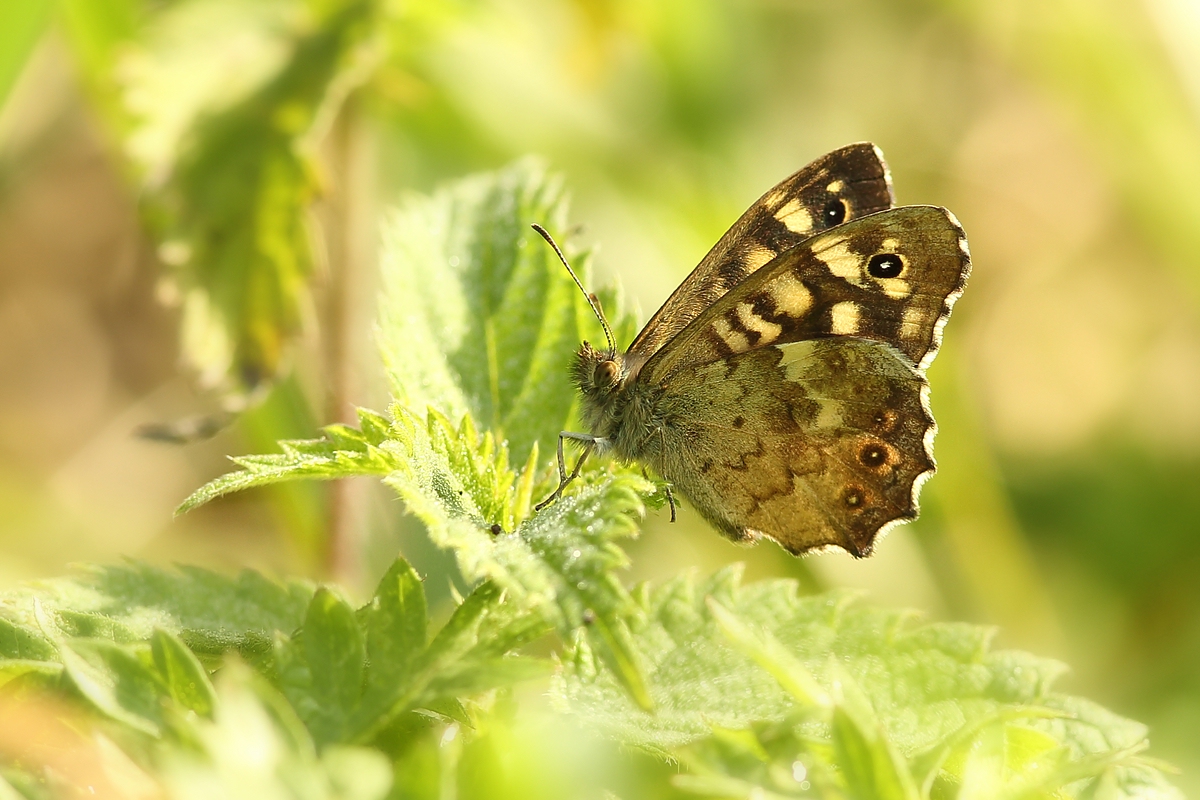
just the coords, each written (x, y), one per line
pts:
(155, 153)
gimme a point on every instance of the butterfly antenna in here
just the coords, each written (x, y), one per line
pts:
(591, 298)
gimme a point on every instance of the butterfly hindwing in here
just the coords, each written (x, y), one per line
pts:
(891, 276)
(812, 443)
(848, 183)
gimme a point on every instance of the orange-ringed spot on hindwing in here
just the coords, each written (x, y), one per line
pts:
(854, 498)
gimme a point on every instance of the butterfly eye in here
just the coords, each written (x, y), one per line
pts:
(606, 372)
(885, 265)
(834, 212)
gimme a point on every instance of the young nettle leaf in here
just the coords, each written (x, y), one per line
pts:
(459, 484)
(868, 764)
(185, 677)
(470, 654)
(477, 315)
(212, 614)
(334, 652)
(561, 561)
(372, 449)
(351, 675)
(396, 625)
(116, 682)
(20, 643)
(874, 705)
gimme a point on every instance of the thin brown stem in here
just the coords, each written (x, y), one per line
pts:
(346, 265)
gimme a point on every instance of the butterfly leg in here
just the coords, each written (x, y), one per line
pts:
(564, 480)
(662, 438)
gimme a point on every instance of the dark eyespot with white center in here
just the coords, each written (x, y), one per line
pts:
(853, 498)
(873, 455)
(834, 212)
(885, 265)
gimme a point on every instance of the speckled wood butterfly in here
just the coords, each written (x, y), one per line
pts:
(782, 387)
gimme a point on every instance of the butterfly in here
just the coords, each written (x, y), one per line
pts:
(781, 388)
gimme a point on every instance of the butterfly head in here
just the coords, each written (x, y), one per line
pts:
(598, 373)
(601, 376)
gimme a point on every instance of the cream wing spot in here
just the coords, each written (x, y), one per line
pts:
(795, 217)
(796, 359)
(791, 296)
(829, 417)
(842, 261)
(774, 198)
(844, 318)
(755, 256)
(913, 321)
(767, 331)
(834, 187)
(895, 288)
(737, 341)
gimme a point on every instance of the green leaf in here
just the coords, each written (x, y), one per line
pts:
(356, 772)
(459, 484)
(395, 622)
(478, 316)
(772, 656)
(371, 449)
(23, 643)
(444, 656)
(25, 672)
(228, 160)
(349, 676)
(465, 657)
(561, 560)
(721, 654)
(115, 681)
(334, 652)
(870, 767)
(185, 677)
(213, 614)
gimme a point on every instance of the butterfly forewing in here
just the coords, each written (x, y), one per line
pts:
(843, 185)
(890, 277)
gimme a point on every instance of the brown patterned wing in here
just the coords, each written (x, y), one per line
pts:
(846, 184)
(814, 443)
(891, 277)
